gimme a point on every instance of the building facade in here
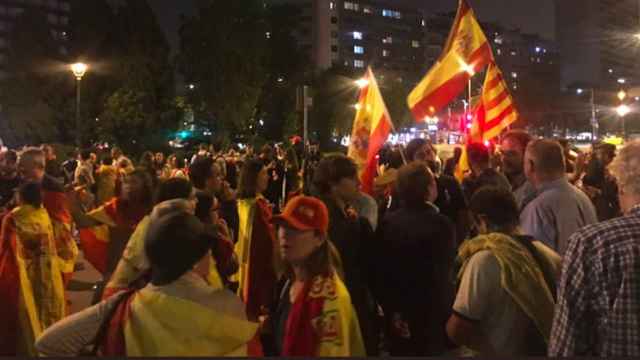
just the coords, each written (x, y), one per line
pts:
(57, 12)
(598, 41)
(361, 33)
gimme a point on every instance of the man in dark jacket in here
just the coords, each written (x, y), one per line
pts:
(415, 285)
(337, 183)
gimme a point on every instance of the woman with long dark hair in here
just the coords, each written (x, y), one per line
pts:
(314, 315)
(255, 246)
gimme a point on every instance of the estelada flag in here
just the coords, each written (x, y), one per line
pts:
(466, 52)
(496, 111)
(371, 128)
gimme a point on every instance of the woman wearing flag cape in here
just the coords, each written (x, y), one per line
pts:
(31, 285)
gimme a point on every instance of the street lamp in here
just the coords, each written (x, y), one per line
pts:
(622, 95)
(78, 69)
(622, 111)
(362, 83)
(594, 121)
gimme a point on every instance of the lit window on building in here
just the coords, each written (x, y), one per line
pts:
(367, 10)
(387, 40)
(358, 63)
(538, 49)
(514, 75)
(415, 43)
(332, 5)
(499, 51)
(391, 14)
(358, 50)
(513, 53)
(348, 5)
(498, 40)
(515, 86)
(424, 23)
(268, 35)
(386, 53)
(357, 35)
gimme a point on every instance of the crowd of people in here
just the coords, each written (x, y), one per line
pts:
(225, 252)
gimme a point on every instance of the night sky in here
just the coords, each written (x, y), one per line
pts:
(533, 16)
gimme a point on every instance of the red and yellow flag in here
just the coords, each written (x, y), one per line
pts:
(371, 128)
(466, 52)
(496, 111)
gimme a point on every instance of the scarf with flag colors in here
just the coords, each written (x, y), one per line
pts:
(465, 53)
(255, 251)
(152, 323)
(520, 276)
(31, 284)
(371, 128)
(322, 321)
(95, 240)
(67, 250)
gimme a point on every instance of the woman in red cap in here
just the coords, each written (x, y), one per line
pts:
(314, 315)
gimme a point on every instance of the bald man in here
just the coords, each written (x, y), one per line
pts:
(559, 209)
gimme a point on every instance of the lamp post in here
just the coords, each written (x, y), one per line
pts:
(78, 69)
(622, 111)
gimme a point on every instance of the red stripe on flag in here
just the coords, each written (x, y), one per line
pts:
(493, 83)
(9, 291)
(443, 95)
(376, 140)
(95, 250)
(498, 119)
(497, 101)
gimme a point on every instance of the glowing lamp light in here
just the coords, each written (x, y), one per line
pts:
(579, 91)
(468, 126)
(623, 110)
(362, 83)
(79, 69)
(622, 95)
(357, 106)
(468, 68)
(487, 143)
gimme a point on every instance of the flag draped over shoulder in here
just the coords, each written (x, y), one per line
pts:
(95, 240)
(496, 111)
(67, 251)
(322, 322)
(31, 284)
(255, 252)
(466, 52)
(371, 128)
(151, 323)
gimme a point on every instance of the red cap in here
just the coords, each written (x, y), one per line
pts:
(304, 213)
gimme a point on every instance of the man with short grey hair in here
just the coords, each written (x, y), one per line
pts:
(598, 308)
(560, 209)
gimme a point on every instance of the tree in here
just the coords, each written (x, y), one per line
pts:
(224, 53)
(286, 68)
(35, 96)
(332, 114)
(142, 111)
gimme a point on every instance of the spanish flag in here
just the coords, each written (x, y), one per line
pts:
(466, 52)
(31, 285)
(256, 253)
(496, 111)
(67, 251)
(371, 128)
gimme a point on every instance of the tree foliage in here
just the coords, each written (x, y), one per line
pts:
(223, 53)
